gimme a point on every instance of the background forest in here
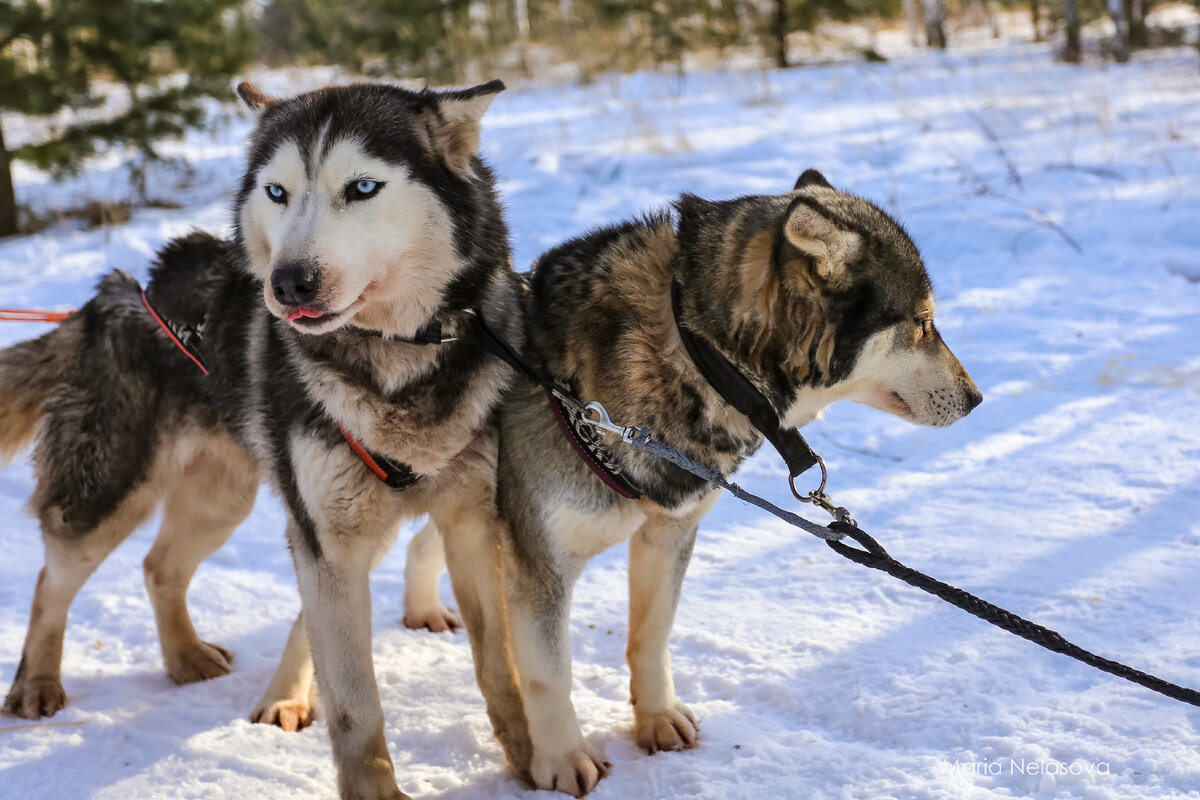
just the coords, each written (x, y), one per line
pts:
(83, 76)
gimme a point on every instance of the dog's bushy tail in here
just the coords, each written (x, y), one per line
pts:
(29, 373)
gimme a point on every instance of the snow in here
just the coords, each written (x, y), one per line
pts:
(1071, 496)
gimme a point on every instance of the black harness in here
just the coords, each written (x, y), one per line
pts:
(737, 390)
(396, 474)
(726, 379)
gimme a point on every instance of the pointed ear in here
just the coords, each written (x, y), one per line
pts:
(454, 129)
(253, 97)
(810, 177)
(828, 247)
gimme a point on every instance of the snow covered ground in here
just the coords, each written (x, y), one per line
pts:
(1059, 211)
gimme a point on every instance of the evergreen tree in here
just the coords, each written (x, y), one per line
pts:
(413, 38)
(167, 56)
(40, 73)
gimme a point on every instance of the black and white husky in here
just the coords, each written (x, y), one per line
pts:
(324, 349)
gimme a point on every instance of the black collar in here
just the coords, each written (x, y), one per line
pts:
(429, 333)
(737, 390)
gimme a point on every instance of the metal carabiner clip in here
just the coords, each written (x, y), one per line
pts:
(605, 423)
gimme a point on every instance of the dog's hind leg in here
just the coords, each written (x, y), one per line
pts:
(71, 558)
(208, 500)
(472, 542)
(290, 700)
(658, 557)
(423, 567)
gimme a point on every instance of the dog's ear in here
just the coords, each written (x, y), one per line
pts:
(829, 248)
(254, 98)
(454, 130)
(810, 177)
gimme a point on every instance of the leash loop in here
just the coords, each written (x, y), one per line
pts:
(874, 555)
(812, 496)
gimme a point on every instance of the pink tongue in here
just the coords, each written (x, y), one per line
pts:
(304, 312)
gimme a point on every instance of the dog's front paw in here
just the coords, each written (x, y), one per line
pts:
(377, 783)
(673, 729)
(437, 619)
(390, 795)
(575, 772)
(291, 715)
(198, 662)
(34, 698)
(393, 793)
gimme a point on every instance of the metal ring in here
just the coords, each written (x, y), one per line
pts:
(820, 490)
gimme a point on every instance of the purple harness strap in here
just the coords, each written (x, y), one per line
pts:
(585, 441)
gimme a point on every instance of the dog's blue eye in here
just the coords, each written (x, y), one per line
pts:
(362, 189)
(277, 193)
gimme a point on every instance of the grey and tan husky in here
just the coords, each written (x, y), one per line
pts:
(326, 351)
(814, 295)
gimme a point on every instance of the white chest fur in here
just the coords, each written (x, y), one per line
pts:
(584, 534)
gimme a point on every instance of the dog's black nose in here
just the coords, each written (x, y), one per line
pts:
(974, 398)
(295, 284)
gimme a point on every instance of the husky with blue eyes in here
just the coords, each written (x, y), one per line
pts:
(326, 349)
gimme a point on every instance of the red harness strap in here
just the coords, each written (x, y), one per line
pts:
(395, 474)
(187, 351)
(362, 453)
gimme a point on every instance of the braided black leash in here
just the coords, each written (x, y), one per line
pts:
(876, 557)
(642, 441)
(843, 527)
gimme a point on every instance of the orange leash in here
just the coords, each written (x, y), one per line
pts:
(31, 315)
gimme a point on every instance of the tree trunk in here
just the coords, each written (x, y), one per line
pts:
(521, 15)
(1121, 38)
(1035, 12)
(914, 25)
(1136, 11)
(1073, 51)
(566, 18)
(935, 23)
(8, 198)
(780, 31)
